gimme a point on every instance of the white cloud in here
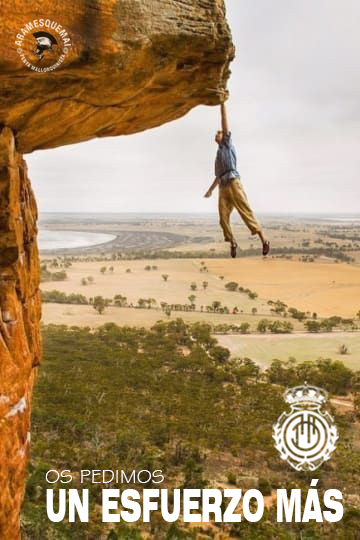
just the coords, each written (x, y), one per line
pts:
(295, 118)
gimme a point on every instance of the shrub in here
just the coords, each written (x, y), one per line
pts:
(232, 286)
(264, 486)
(343, 349)
(231, 478)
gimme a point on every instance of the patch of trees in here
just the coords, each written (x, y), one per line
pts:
(120, 300)
(330, 251)
(297, 314)
(60, 262)
(146, 303)
(87, 281)
(332, 375)
(59, 297)
(243, 328)
(99, 303)
(105, 269)
(274, 327)
(278, 307)
(129, 399)
(215, 307)
(328, 324)
(339, 236)
(46, 275)
(235, 287)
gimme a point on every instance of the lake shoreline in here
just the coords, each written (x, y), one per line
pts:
(122, 240)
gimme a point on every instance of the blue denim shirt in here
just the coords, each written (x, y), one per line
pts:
(225, 163)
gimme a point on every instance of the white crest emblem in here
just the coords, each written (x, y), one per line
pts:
(305, 437)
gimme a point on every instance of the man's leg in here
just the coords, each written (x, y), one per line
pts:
(225, 209)
(241, 204)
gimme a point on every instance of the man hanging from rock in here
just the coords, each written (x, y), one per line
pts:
(231, 192)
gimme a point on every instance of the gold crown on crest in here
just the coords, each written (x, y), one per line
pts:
(305, 394)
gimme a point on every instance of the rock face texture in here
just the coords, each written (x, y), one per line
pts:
(103, 68)
(130, 65)
(20, 311)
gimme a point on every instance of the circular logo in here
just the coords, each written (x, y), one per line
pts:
(42, 45)
(305, 437)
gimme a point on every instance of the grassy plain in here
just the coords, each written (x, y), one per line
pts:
(306, 280)
(322, 287)
(170, 398)
(262, 349)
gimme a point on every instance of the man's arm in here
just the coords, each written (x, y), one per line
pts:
(224, 120)
(211, 188)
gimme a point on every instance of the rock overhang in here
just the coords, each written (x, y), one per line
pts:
(131, 65)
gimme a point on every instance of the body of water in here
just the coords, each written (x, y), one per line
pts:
(49, 240)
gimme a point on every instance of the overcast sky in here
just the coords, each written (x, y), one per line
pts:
(294, 113)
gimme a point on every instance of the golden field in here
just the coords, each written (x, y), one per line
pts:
(262, 349)
(322, 287)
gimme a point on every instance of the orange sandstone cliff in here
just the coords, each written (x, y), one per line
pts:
(123, 66)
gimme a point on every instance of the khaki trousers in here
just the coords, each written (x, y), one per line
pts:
(233, 196)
